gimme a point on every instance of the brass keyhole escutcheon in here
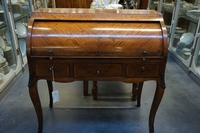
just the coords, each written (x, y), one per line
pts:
(143, 68)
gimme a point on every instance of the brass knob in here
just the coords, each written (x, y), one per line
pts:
(51, 52)
(144, 52)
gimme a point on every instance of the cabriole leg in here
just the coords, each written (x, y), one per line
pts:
(37, 105)
(94, 90)
(156, 102)
(139, 92)
(85, 88)
(50, 88)
(134, 91)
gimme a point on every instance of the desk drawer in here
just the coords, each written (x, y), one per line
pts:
(60, 68)
(97, 70)
(142, 70)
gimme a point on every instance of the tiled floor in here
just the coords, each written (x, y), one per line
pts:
(113, 112)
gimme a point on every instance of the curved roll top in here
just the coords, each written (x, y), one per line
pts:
(104, 38)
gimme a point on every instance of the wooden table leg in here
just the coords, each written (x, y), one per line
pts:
(37, 105)
(94, 90)
(139, 92)
(134, 91)
(85, 88)
(156, 102)
(50, 88)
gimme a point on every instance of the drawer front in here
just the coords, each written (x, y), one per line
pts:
(142, 70)
(44, 69)
(97, 70)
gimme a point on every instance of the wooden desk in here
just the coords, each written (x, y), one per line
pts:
(96, 44)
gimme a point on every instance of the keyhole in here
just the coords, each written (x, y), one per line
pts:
(143, 69)
(51, 68)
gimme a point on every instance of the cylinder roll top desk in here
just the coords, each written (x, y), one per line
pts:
(78, 44)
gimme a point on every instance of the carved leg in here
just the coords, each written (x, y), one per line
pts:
(156, 102)
(134, 91)
(37, 105)
(140, 86)
(85, 88)
(94, 90)
(50, 87)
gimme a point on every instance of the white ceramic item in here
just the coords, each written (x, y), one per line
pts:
(1, 54)
(2, 43)
(114, 6)
(21, 30)
(14, 1)
(1, 77)
(15, 15)
(22, 45)
(38, 3)
(193, 14)
(178, 28)
(180, 31)
(194, 11)
(187, 38)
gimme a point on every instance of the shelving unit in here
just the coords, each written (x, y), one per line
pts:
(187, 56)
(195, 66)
(180, 25)
(15, 16)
